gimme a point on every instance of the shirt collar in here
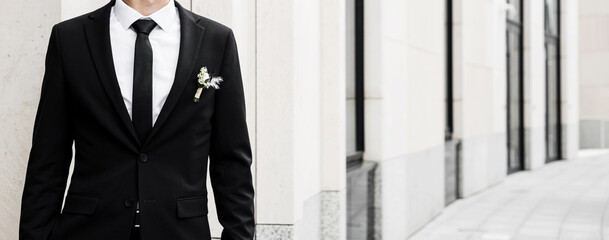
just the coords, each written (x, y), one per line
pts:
(164, 17)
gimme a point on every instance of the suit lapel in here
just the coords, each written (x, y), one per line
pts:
(98, 37)
(190, 43)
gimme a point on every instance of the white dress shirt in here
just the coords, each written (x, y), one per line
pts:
(165, 41)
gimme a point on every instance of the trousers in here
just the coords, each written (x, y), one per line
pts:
(135, 233)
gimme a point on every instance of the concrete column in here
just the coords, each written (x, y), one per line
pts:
(75, 8)
(276, 136)
(480, 92)
(333, 130)
(404, 111)
(534, 84)
(594, 85)
(288, 115)
(220, 11)
(569, 61)
(26, 26)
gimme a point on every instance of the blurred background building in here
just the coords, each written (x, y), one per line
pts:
(368, 117)
(593, 76)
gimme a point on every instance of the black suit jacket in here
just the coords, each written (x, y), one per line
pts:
(81, 103)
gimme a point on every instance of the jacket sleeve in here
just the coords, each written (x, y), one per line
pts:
(51, 152)
(230, 153)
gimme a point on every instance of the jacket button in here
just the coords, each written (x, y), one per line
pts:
(128, 203)
(143, 157)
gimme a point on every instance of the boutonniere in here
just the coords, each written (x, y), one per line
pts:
(204, 81)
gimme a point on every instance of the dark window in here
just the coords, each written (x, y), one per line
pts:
(355, 83)
(451, 145)
(360, 174)
(515, 113)
(553, 108)
(449, 129)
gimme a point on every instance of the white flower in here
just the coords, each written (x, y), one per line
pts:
(203, 76)
(204, 81)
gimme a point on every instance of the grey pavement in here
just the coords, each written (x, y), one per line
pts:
(564, 200)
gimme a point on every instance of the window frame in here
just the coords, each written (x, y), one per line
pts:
(549, 37)
(516, 27)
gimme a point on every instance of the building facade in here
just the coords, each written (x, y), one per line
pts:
(366, 117)
(594, 84)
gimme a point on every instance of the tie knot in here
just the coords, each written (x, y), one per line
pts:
(143, 26)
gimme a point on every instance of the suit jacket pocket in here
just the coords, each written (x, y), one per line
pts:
(191, 206)
(80, 204)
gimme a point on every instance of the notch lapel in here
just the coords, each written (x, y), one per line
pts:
(190, 43)
(97, 33)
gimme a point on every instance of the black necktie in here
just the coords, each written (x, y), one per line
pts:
(142, 79)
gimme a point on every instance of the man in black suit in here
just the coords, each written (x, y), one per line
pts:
(146, 90)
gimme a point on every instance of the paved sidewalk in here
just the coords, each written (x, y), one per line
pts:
(564, 200)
